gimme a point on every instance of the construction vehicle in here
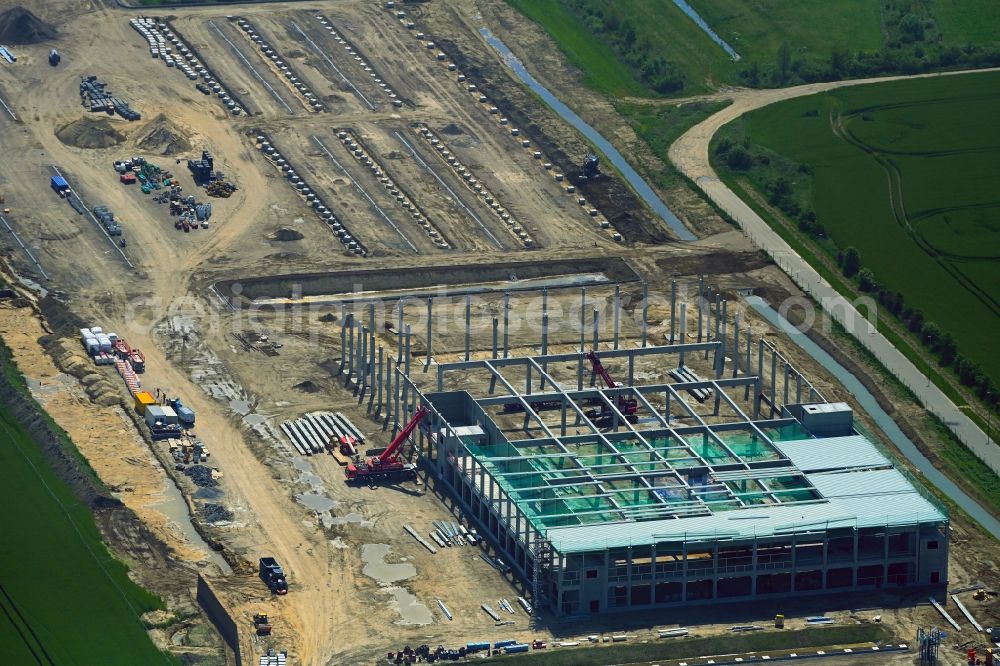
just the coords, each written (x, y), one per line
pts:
(273, 575)
(388, 466)
(626, 405)
(261, 624)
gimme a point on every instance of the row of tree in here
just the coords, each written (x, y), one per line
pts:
(937, 340)
(642, 56)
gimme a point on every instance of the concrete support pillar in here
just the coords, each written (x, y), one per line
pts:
(683, 332)
(380, 373)
(788, 370)
(597, 329)
(758, 385)
(430, 334)
(721, 369)
(350, 348)
(496, 324)
(399, 332)
(545, 342)
(389, 383)
(362, 383)
(468, 324)
(343, 338)
(700, 302)
(774, 380)
(506, 323)
(673, 309)
(736, 344)
(644, 325)
(798, 388)
(617, 313)
(407, 357)
(396, 414)
(749, 366)
(583, 319)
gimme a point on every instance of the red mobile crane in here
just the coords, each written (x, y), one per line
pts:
(627, 406)
(388, 465)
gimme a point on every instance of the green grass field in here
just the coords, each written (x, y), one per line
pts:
(64, 598)
(615, 44)
(811, 27)
(602, 70)
(906, 172)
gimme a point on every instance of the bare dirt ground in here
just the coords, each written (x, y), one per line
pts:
(335, 613)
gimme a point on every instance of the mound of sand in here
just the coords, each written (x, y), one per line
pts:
(89, 132)
(451, 128)
(328, 317)
(20, 26)
(286, 235)
(162, 137)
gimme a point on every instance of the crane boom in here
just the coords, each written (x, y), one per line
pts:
(403, 435)
(599, 368)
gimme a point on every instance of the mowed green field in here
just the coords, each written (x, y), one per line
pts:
(63, 598)
(813, 30)
(811, 27)
(908, 173)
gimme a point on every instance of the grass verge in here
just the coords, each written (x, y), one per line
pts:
(712, 645)
(70, 601)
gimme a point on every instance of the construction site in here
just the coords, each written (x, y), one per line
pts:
(456, 383)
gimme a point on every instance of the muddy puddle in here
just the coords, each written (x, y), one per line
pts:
(175, 509)
(411, 611)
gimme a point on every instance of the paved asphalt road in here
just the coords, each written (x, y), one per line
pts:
(690, 154)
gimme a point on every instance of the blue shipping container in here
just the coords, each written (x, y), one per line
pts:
(520, 647)
(504, 643)
(59, 184)
(476, 647)
(186, 415)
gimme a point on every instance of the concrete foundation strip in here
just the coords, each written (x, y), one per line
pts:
(966, 613)
(944, 613)
(420, 540)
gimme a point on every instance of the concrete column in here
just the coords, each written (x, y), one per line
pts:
(406, 358)
(700, 302)
(683, 332)
(496, 323)
(759, 384)
(388, 391)
(468, 324)
(722, 342)
(736, 344)
(645, 312)
(380, 373)
(430, 334)
(673, 309)
(350, 348)
(798, 388)
(397, 380)
(359, 386)
(749, 366)
(597, 329)
(617, 313)
(774, 379)
(788, 369)
(343, 338)
(399, 332)
(583, 319)
(506, 323)
(545, 343)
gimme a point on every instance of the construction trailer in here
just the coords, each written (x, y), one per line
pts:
(758, 496)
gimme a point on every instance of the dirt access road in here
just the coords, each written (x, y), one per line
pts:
(690, 154)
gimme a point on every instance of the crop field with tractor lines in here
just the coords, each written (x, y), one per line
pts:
(905, 172)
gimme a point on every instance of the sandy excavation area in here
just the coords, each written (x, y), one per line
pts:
(359, 584)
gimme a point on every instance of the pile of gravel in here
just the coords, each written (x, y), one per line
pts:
(215, 513)
(202, 476)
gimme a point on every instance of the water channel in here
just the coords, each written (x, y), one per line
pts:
(884, 421)
(641, 187)
(700, 22)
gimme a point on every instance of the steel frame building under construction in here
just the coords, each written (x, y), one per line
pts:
(691, 499)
